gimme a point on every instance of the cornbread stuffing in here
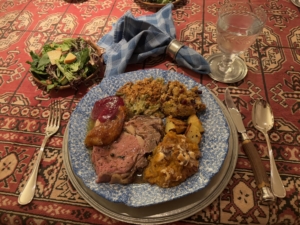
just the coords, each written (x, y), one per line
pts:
(143, 97)
(154, 97)
(178, 101)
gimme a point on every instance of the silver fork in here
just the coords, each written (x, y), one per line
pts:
(27, 194)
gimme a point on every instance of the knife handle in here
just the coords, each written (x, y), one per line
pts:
(259, 171)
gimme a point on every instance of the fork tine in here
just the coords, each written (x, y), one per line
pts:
(53, 114)
(57, 113)
(50, 117)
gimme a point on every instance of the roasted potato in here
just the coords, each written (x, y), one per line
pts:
(193, 133)
(170, 126)
(176, 125)
(193, 119)
(195, 129)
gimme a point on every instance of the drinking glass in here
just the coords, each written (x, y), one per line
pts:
(238, 25)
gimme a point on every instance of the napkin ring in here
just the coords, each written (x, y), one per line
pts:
(173, 48)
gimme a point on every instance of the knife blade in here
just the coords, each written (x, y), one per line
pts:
(260, 174)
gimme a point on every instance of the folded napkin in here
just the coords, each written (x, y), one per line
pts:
(132, 40)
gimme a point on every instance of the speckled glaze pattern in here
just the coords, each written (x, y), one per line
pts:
(214, 145)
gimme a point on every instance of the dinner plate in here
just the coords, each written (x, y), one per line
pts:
(167, 212)
(214, 144)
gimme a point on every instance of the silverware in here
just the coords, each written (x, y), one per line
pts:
(296, 2)
(263, 120)
(260, 174)
(27, 194)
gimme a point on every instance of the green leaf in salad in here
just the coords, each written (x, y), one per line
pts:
(74, 67)
(83, 57)
(35, 59)
(64, 46)
(66, 71)
(51, 86)
(43, 62)
(35, 66)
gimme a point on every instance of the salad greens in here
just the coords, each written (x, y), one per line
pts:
(62, 73)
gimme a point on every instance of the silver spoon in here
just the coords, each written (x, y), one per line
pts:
(263, 120)
(296, 2)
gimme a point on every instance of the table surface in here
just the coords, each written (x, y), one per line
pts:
(273, 74)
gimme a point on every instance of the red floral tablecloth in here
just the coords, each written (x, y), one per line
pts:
(274, 74)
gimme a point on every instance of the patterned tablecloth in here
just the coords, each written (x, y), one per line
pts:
(274, 74)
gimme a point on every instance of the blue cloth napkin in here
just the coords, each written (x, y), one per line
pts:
(132, 40)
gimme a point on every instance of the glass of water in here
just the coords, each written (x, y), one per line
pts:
(238, 25)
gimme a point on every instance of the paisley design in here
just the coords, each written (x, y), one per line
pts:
(7, 165)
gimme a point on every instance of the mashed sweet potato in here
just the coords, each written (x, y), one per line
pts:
(174, 160)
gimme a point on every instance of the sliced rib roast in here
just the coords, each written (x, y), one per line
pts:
(121, 160)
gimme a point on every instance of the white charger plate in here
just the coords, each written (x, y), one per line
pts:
(214, 145)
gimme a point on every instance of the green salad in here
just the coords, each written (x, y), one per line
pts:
(67, 63)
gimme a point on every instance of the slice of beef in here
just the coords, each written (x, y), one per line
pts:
(119, 162)
(113, 163)
(149, 128)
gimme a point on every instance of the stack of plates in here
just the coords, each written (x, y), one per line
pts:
(169, 208)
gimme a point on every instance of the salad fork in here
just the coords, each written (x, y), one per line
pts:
(54, 118)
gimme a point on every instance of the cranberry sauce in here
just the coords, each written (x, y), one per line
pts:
(106, 108)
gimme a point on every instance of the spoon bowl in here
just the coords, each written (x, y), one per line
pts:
(263, 120)
(263, 117)
(296, 2)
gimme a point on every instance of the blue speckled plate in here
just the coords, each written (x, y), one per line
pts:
(214, 145)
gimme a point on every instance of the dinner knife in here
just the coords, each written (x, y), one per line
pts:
(259, 171)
